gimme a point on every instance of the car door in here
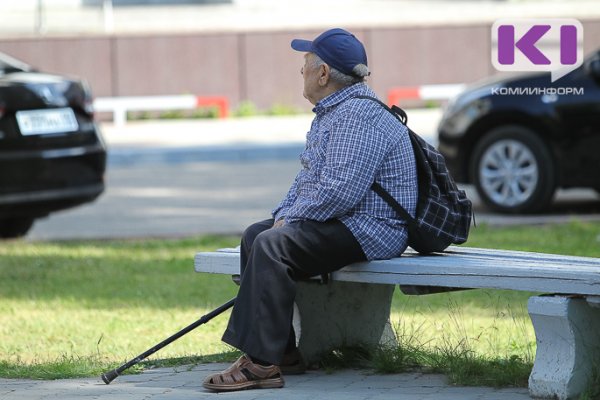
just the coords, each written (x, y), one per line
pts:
(577, 104)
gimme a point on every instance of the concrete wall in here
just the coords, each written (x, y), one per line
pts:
(260, 66)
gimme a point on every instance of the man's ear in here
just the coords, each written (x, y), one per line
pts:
(323, 74)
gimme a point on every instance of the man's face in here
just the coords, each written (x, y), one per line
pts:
(311, 75)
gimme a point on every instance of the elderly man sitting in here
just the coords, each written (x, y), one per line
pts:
(329, 218)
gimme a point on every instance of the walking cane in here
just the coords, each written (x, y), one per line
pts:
(109, 376)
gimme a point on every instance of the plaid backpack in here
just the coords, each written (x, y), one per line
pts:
(444, 212)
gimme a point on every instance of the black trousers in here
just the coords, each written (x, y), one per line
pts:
(272, 260)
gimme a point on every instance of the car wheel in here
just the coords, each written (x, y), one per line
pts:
(15, 227)
(513, 171)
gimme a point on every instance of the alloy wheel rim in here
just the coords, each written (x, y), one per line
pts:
(508, 173)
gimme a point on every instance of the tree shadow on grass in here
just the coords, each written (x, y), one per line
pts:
(157, 274)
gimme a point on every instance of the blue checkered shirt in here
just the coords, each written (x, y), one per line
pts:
(351, 143)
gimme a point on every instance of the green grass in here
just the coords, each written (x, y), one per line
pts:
(574, 238)
(99, 303)
(78, 308)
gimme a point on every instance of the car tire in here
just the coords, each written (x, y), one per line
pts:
(513, 171)
(15, 227)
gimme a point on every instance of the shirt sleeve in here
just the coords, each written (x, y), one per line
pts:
(281, 210)
(354, 152)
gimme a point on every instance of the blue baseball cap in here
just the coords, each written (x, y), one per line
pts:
(337, 47)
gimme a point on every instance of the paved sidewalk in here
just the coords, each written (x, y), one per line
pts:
(248, 138)
(185, 383)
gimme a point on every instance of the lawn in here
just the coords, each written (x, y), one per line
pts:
(77, 308)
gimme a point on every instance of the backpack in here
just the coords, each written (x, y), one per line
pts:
(443, 214)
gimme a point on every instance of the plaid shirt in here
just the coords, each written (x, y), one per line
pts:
(351, 143)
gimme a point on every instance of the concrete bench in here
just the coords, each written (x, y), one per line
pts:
(354, 307)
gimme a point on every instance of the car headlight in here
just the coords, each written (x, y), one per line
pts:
(457, 120)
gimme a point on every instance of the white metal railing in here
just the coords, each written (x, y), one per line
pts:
(119, 106)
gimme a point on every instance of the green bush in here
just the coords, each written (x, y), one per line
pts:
(246, 109)
(282, 109)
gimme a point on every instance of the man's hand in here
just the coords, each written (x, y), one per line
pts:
(279, 223)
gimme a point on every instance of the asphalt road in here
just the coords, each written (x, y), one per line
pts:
(157, 199)
(163, 199)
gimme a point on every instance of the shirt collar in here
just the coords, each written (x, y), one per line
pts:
(341, 95)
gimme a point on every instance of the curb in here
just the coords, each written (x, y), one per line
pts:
(118, 157)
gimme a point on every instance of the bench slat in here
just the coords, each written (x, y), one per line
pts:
(511, 254)
(218, 262)
(460, 267)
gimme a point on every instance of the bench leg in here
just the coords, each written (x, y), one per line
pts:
(568, 346)
(341, 314)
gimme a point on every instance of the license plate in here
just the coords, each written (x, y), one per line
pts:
(43, 122)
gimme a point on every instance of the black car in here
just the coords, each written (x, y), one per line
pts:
(518, 139)
(52, 156)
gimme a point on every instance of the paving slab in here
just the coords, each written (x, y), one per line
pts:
(183, 383)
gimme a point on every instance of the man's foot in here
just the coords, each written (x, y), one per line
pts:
(293, 363)
(244, 374)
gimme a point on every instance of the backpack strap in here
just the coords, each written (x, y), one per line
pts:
(396, 111)
(388, 198)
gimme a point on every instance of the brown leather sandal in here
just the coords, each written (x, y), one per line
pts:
(244, 374)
